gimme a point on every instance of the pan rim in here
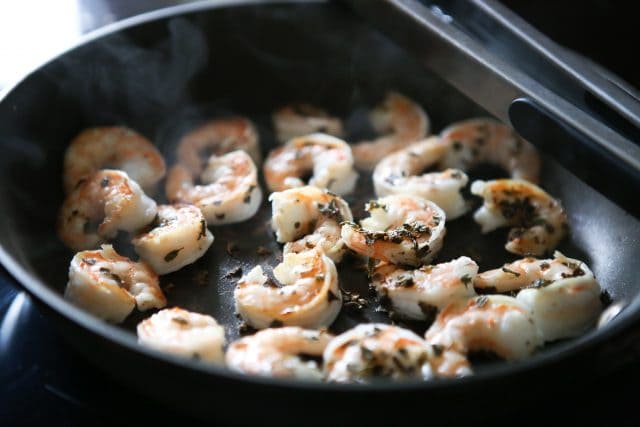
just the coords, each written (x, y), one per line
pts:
(124, 339)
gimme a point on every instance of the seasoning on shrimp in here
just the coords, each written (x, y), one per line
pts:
(496, 323)
(175, 240)
(103, 204)
(478, 141)
(562, 293)
(400, 121)
(539, 220)
(401, 229)
(327, 158)
(411, 291)
(378, 350)
(400, 173)
(112, 148)
(229, 192)
(309, 217)
(282, 352)
(294, 296)
(184, 333)
(109, 285)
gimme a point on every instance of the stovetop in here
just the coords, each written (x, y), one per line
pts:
(44, 381)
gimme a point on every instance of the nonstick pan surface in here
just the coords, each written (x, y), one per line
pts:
(164, 73)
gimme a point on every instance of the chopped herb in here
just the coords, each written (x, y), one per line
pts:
(247, 197)
(373, 204)
(276, 323)
(172, 255)
(113, 276)
(467, 280)
(429, 311)
(481, 301)
(203, 229)
(540, 283)
(180, 320)
(234, 272)
(544, 265)
(405, 282)
(331, 210)
(506, 270)
(437, 349)
(296, 224)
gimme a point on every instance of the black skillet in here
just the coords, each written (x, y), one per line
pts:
(167, 71)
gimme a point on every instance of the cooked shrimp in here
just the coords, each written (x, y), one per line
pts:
(400, 121)
(309, 217)
(496, 323)
(182, 332)
(402, 229)
(540, 220)
(562, 293)
(179, 237)
(217, 137)
(302, 119)
(487, 141)
(280, 352)
(329, 159)
(417, 294)
(304, 293)
(399, 173)
(109, 285)
(112, 148)
(379, 350)
(104, 203)
(229, 192)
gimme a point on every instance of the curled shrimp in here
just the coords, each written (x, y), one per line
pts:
(112, 148)
(419, 293)
(184, 333)
(400, 121)
(217, 137)
(379, 350)
(229, 192)
(495, 323)
(487, 141)
(399, 173)
(328, 158)
(303, 292)
(402, 229)
(539, 220)
(178, 237)
(562, 293)
(280, 352)
(303, 119)
(309, 217)
(109, 285)
(102, 204)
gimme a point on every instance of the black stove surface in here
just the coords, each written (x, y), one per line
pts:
(45, 381)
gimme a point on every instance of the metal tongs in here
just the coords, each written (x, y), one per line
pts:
(575, 111)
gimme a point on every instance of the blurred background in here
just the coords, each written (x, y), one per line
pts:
(33, 30)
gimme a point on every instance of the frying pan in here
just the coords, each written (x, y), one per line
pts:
(164, 73)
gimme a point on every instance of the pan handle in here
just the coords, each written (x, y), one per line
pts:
(583, 129)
